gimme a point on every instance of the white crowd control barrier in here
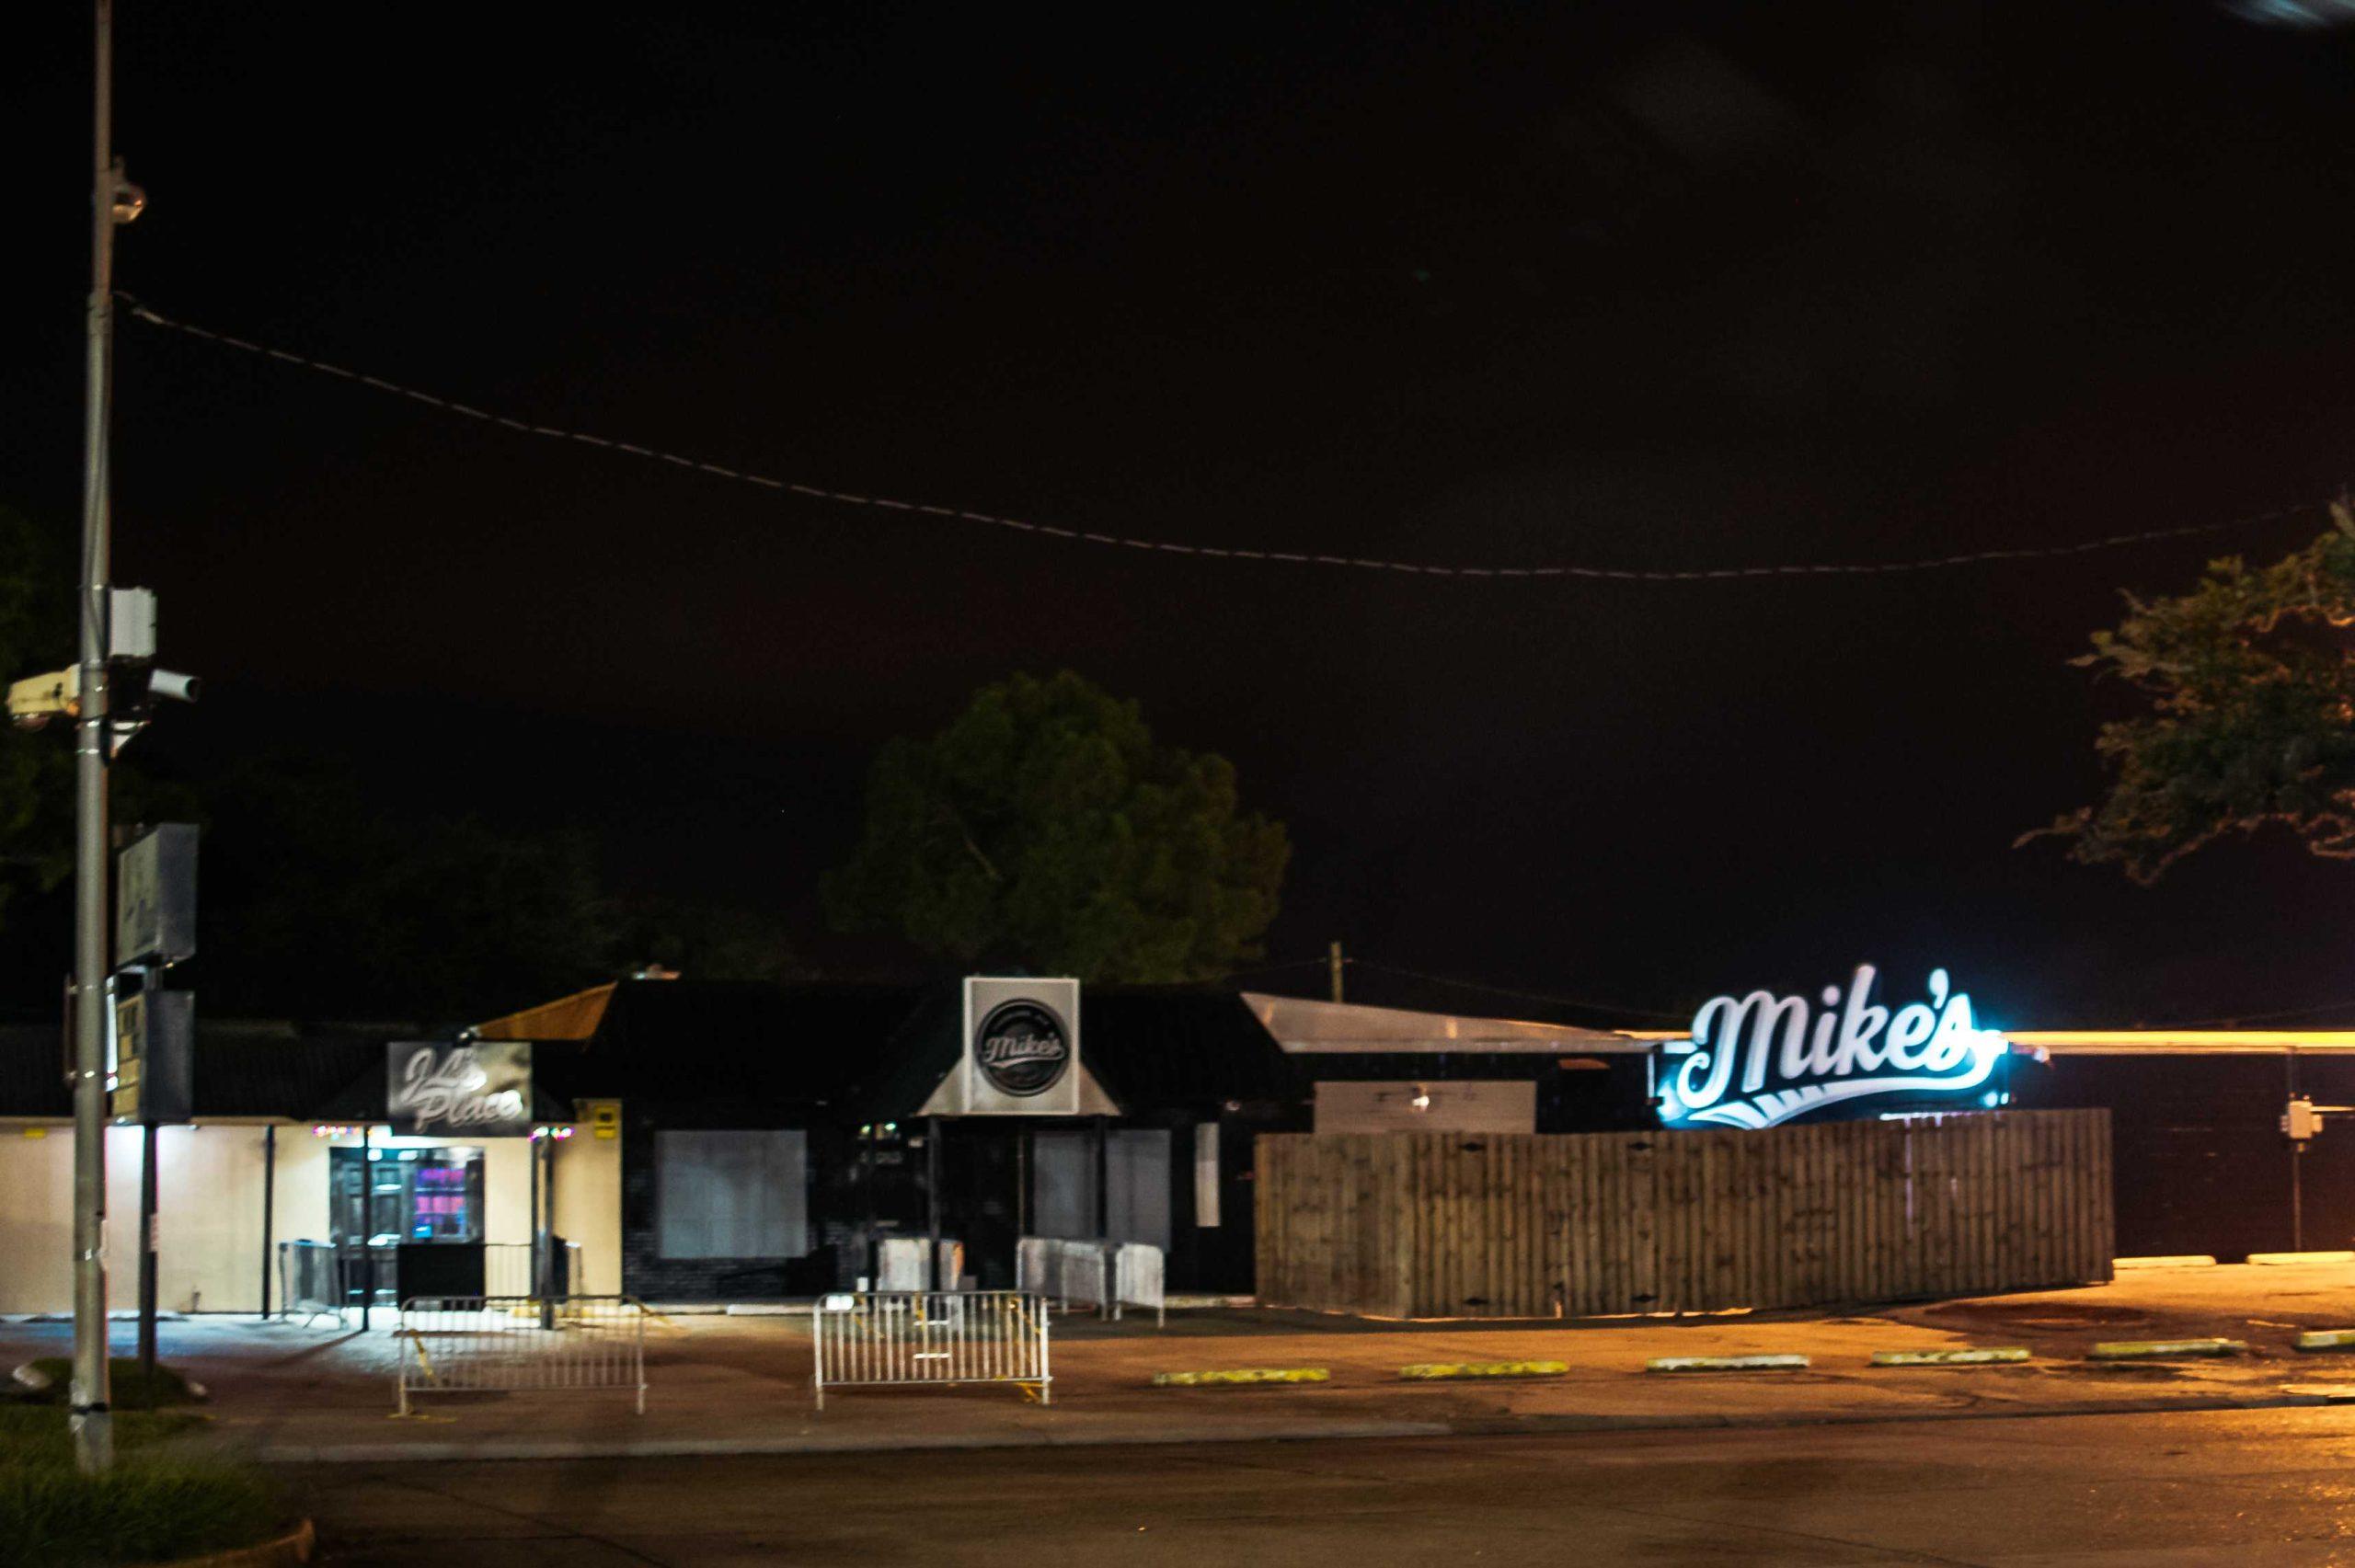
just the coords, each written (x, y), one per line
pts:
(310, 1280)
(515, 1344)
(1093, 1273)
(507, 1269)
(899, 1265)
(878, 1339)
(1136, 1281)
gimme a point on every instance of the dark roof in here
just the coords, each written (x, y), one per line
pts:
(674, 1042)
(32, 1071)
(864, 1052)
(1152, 1049)
(1170, 1048)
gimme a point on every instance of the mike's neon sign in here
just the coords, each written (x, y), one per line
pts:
(1759, 1059)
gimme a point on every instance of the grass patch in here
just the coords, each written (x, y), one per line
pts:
(153, 1506)
(130, 1389)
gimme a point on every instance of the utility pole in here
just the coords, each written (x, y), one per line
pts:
(112, 202)
(1333, 962)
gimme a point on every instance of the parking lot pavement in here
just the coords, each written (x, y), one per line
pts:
(2182, 1491)
(721, 1384)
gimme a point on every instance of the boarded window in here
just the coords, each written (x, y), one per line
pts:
(1063, 1181)
(731, 1195)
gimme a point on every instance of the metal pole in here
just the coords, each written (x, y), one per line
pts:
(147, 1257)
(268, 1206)
(532, 1222)
(545, 1283)
(2297, 1162)
(1333, 964)
(866, 1184)
(367, 1228)
(932, 1204)
(90, 1415)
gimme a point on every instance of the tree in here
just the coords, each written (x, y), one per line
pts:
(315, 904)
(1045, 828)
(37, 605)
(2248, 687)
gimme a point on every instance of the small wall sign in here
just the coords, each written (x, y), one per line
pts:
(1760, 1059)
(480, 1089)
(1021, 1046)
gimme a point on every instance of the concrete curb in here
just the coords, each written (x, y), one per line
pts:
(2327, 1339)
(1336, 1431)
(1439, 1371)
(2187, 1260)
(2008, 1354)
(293, 1547)
(1241, 1377)
(1727, 1364)
(2282, 1260)
(2164, 1349)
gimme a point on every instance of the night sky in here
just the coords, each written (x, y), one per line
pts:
(1647, 286)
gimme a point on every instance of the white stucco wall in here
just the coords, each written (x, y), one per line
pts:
(209, 1198)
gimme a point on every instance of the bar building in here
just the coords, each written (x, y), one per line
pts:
(718, 1142)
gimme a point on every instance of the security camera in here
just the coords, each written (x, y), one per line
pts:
(173, 684)
(37, 699)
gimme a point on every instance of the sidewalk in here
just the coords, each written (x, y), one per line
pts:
(741, 1384)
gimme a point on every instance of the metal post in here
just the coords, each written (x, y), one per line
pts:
(367, 1222)
(268, 1206)
(2297, 1161)
(545, 1284)
(1103, 1184)
(89, 1413)
(147, 1256)
(866, 1184)
(932, 1205)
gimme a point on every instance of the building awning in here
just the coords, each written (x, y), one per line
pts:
(574, 1017)
(1301, 1025)
(2146, 1042)
(2181, 1042)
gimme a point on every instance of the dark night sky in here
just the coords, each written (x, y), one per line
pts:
(1654, 286)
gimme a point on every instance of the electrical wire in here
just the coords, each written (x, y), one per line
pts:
(143, 313)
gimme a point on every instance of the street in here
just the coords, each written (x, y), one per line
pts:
(2270, 1487)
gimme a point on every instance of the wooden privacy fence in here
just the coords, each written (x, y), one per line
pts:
(1539, 1224)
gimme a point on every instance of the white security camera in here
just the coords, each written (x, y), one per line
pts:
(173, 684)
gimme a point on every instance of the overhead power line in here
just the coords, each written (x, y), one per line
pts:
(1226, 553)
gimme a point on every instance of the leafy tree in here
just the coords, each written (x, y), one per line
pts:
(317, 905)
(2247, 684)
(1045, 826)
(704, 942)
(36, 769)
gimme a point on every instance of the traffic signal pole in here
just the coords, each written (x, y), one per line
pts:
(90, 1415)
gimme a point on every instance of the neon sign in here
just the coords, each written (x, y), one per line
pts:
(1760, 1059)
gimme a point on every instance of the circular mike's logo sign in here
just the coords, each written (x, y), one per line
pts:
(1021, 1049)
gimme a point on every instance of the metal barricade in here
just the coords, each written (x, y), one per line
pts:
(882, 1339)
(1084, 1274)
(1136, 1281)
(517, 1345)
(507, 1269)
(899, 1264)
(1070, 1274)
(309, 1281)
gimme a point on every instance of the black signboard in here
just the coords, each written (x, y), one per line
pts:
(442, 1089)
(153, 1043)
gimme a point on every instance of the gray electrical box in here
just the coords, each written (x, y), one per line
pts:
(155, 916)
(131, 624)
